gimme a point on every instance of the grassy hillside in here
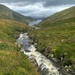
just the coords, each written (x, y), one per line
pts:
(66, 15)
(8, 14)
(12, 61)
(57, 38)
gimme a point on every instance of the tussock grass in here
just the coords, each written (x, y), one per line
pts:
(12, 61)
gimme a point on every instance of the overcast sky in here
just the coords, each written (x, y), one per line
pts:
(38, 8)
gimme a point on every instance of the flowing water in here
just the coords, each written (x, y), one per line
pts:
(44, 65)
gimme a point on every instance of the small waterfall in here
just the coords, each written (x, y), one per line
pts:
(44, 65)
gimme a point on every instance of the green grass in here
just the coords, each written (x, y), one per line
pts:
(12, 61)
(57, 35)
(58, 39)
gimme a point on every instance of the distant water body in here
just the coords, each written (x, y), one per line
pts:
(34, 22)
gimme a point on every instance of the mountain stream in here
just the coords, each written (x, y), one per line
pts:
(45, 66)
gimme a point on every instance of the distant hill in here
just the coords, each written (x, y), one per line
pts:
(8, 14)
(66, 15)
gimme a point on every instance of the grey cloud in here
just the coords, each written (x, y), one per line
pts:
(48, 3)
(21, 3)
(38, 8)
(13, 1)
(45, 2)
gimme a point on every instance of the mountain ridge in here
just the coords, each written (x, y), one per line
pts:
(8, 14)
(59, 16)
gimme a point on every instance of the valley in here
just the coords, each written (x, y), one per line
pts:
(44, 47)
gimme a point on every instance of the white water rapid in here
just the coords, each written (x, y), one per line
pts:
(45, 65)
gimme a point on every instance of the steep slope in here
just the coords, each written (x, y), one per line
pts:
(12, 61)
(56, 39)
(60, 17)
(8, 14)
